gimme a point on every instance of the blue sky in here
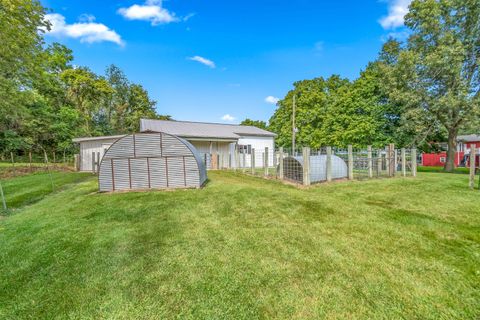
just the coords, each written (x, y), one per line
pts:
(224, 61)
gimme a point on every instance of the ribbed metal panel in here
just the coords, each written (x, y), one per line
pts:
(176, 176)
(123, 149)
(158, 176)
(173, 147)
(139, 173)
(151, 161)
(147, 145)
(105, 177)
(121, 174)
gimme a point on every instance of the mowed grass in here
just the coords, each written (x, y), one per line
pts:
(247, 248)
(28, 189)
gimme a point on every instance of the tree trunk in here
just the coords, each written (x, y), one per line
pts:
(451, 151)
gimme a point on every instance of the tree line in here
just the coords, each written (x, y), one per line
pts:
(46, 100)
(416, 93)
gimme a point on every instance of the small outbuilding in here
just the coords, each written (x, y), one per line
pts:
(151, 161)
(293, 168)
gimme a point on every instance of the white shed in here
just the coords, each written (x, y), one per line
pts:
(93, 145)
(207, 138)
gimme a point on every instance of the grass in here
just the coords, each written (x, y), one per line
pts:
(29, 189)
(460, 170)
(247, 248)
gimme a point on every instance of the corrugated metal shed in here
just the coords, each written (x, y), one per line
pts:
(186, 129)
(293, 168)
(151, 161)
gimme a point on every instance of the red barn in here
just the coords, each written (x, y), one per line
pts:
(462, 154)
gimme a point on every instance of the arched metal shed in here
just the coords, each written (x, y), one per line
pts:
(293, 168)
(151, 161)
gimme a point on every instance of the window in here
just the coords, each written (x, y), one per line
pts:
(443, 160)
(245, 149)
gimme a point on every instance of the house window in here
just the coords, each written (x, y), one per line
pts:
(245, 149)
(443, 160)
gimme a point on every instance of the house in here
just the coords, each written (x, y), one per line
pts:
(208, 138)
(462, 154)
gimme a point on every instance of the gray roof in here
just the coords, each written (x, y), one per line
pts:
(98, 138)
(469, 138)
(187, 129)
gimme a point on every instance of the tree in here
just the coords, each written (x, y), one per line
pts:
(86, 92)
(21, 25)
(313, 100)
(436, 75)
(255, 123)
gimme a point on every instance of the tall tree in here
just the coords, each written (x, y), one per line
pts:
(21, 27)
(437, 75)
(87, 92)
(256, 123)
(313, 100)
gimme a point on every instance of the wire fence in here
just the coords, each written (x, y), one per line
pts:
(309, 166)
(26, 162)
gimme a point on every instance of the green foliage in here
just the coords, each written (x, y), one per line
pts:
(436, 74)
(337, 112)
(45, 102)
(255, 123)
(246, 248)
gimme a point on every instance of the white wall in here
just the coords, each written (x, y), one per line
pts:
(219, 147)
(259, 144)
(86, 149)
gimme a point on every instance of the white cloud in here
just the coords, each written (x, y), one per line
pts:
(272, 100)
(228, 118)
(397, 9)
(151, 11)
(86, 30)
(202, 60)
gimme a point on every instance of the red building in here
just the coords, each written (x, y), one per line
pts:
(462, 154)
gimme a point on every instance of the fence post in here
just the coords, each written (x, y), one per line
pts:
(329, 164)
(76, 162)
(235, 157)
(93, 162)
(98, 162)
(414, 162)
(13, 164)
(252, 161)
(473, 156)
(370, 161)
(54, 159)
(306, 166)
(379, 162)
(391, 160)
(30, 160)
(3, 197)
(350, 162)
(280, 163)
(265, 163)
(244, 162)
(404, 163)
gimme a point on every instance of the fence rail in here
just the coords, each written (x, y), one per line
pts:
(309, 166)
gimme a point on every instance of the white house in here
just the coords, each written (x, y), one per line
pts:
(208, 139)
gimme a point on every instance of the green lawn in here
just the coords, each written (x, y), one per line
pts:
(25, 190)
(461, 170)
(247, 248)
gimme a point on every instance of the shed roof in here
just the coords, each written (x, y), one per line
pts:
(83, 139)
(188, 129)
(469, 138)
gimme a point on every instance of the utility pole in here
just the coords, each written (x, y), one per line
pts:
(293, 127)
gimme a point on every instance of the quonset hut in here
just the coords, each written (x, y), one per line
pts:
(293, 168)
(151, 161)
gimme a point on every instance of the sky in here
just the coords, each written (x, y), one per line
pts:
(224, 61)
